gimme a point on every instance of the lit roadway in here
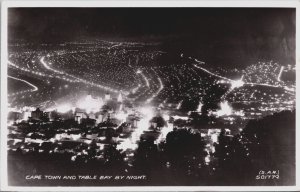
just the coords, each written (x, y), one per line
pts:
(34, 88)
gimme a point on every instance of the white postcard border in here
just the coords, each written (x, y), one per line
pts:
(137, 3)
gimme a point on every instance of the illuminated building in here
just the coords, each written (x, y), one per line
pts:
(132, 120)
(90, 104)
(100, 117)
(79, 116)
(120, 99)
(107, 97)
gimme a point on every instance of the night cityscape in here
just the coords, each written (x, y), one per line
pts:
(190, 96)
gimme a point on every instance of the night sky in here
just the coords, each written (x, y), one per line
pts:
(215, 34)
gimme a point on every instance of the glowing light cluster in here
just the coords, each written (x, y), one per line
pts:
(90, 104)
(237, 83)
(164, 132)
(226, 109)
(240, 83)
(64, 108)
(121, 116)
(142, 125)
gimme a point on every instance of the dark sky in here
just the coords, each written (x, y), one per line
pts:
(250, 29)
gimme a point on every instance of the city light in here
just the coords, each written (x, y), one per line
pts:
(64, 108)
(35, 88)
(200, 105)
(225, 109)
(90, 104)
(237, 83)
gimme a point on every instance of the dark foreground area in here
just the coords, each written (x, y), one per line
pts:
(263, 154)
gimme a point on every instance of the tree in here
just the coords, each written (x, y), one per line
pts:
(146, 155)
(272, 142)
(200, 121)
(264, 144)
(185, 151)
(113, 157)
(160, 121)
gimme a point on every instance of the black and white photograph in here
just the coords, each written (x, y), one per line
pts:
(150, 96)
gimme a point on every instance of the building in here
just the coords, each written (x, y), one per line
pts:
(132, 120)
(92, 115)
(37, 114)
(54, 115)
(14, 116)
(99, 118)
(79, 115)
(107, 97)
(120, 98)
(88, 123)
(67, 115)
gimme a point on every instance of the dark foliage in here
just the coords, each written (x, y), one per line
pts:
(267, 144)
